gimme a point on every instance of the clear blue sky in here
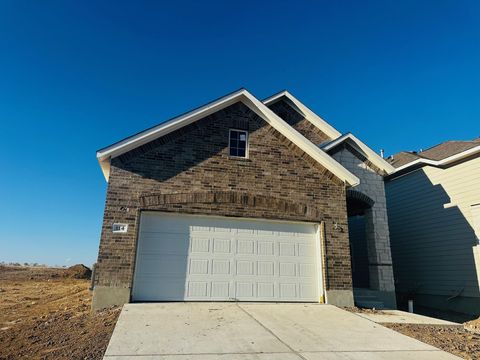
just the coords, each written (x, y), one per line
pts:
(79, 75)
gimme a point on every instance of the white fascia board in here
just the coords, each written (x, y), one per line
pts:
(376, 159)
(168, 126)
(104, 155)
(316, 120)
(303, 143)
(445, 161)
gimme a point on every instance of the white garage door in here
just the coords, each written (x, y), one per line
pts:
(181, 257)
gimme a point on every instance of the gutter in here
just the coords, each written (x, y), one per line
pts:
(438, 163)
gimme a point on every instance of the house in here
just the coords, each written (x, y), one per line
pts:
(244, 200)
(433, 202)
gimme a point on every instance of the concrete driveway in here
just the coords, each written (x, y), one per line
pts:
(247, 331)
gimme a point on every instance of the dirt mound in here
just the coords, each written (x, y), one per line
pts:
(473, 326)
(78, 271)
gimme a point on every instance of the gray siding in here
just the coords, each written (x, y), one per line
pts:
(434, 248)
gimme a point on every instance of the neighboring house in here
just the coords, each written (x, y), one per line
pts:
(434, 216)
(243, 200)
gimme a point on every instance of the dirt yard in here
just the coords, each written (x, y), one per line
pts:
(45, 314)
(453, 339)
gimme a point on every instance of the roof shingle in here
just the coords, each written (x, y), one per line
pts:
(437, 152)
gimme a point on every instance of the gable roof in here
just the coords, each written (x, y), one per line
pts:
(334, 134)
(371, 155)
(105, 155)
(316, 120)
(438, 155)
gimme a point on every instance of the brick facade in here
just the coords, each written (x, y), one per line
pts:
(285, 110)
(190, 171)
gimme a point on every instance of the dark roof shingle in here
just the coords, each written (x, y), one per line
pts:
(402, 158)
(437, 152)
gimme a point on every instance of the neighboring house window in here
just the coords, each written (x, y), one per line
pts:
(238, 143)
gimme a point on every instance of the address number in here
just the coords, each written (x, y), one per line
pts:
(120, 228)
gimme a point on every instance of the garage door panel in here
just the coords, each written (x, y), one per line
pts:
(265, 268)
(306, 270)
(220, 290)
(224, 259)
(266, 290)
(245, 267)
(159, 243)
(163, 265)
(286, 249)
(198, 266)
(198, 289)
(288, 291)
(153, 226)
(200, 245)
(306, 291)
(167, 288)
(222, 246)
(266, 248)
(245, 247)
(221, 266)
(244, 290)
(287, 269)
(305, 249)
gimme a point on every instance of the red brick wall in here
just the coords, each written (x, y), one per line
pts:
(190, 171)
(284, 109)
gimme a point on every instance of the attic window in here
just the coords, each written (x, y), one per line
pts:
(238, 143)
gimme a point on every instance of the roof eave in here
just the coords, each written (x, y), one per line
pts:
(105, 155)
(371, 155)
(445, 161)
(316, 120)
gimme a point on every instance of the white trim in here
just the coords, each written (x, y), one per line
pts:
(105, 155)
(164, 128)
(316, 120)
(319, 255)
(376, 159)
(246, 143)
(445, 161)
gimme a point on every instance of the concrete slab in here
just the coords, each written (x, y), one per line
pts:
(247, 331)
(274, 356)
(402, 317)
(309, 328)
(381, 355)
(189, 328)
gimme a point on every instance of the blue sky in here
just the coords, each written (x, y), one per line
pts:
(76, 76)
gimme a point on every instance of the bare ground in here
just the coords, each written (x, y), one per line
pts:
(45, 314)
(453, 339)
(359, 310)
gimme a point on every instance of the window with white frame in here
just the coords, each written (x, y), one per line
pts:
(238, 143)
